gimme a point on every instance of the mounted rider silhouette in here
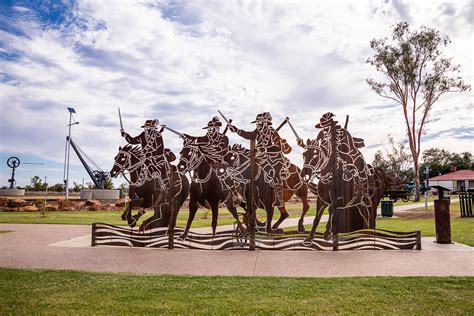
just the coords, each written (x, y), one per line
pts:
(215, 146)
(345, 149)
(155, 164)
(269, 156)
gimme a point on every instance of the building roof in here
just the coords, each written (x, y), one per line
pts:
(456, 175)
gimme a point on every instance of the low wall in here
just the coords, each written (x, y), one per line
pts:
(12, 192)
(100, 194)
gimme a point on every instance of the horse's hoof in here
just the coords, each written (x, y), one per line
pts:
(183, 237)
(307, 242)
(327, 236)
(301, 230)
(278, 231)
(132, 223)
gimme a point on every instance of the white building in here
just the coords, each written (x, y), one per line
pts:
(458, 181)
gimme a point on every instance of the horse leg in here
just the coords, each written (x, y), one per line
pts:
(215, 213)
(128, 209)
(269, 210)
(193, 207)
(304, 199)
(283, 215)
(320, 207)
(233, 210)
(283, 212)
(331, 224)
(157, 220)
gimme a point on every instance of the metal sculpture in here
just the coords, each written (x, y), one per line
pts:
(202, 156)
(98, 176)
(259, 177)
(13, 162)
(153, 182)
(270, 149)
(238, 168)
(349, 187)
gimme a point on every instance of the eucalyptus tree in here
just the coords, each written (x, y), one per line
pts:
(416, 75)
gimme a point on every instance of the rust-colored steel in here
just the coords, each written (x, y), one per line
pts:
(259, 177)
(442, 221)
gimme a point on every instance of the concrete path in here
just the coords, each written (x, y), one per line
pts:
(38, 246)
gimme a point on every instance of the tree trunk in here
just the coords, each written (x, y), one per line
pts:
(417, 180)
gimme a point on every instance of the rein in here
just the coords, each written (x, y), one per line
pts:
(130, 169)
(194, 164)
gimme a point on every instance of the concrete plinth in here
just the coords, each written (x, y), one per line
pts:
(100, 194)
(12, 192)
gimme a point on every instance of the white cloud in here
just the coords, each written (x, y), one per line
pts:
(180, 62)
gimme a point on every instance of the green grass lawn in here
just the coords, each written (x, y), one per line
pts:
(203, 217)
(74, 292)
(462, 229)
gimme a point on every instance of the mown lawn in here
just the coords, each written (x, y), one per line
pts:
(73, 292)
(462, 229)
(203, 217)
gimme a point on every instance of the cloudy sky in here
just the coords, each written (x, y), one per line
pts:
(180, 62)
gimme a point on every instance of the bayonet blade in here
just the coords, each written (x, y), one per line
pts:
(121, 124)
(293, 129)
(223, 116)
(172, 130)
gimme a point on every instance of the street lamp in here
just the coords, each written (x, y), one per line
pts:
(67, 151)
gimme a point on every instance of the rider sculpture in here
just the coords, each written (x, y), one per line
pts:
(350, 165)
(155, 164)
(270, 148)
(214, 146)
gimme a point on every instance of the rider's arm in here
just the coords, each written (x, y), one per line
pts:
(133, 140)
(198, 140)
(301, 143)
(247, 135)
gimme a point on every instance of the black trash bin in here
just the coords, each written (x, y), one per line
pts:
(387, 208)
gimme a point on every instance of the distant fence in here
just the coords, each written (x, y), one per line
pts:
(465, 201)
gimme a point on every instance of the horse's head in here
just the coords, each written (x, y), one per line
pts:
(125, 159)
(190, 158)
(229, 160)
(121, 161)
(315, 159)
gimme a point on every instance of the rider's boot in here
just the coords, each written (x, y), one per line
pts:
(237, 198)
(279, 201)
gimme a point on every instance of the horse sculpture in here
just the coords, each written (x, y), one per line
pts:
(239, 168)
(206, 188)
(356, 207)
(147, 195)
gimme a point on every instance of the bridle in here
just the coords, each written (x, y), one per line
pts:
(322, 162)
(131, 167)
(193, 163)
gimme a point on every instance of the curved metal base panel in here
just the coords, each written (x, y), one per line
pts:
(110, 235)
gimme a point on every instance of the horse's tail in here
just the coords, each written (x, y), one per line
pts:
(390, 181)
